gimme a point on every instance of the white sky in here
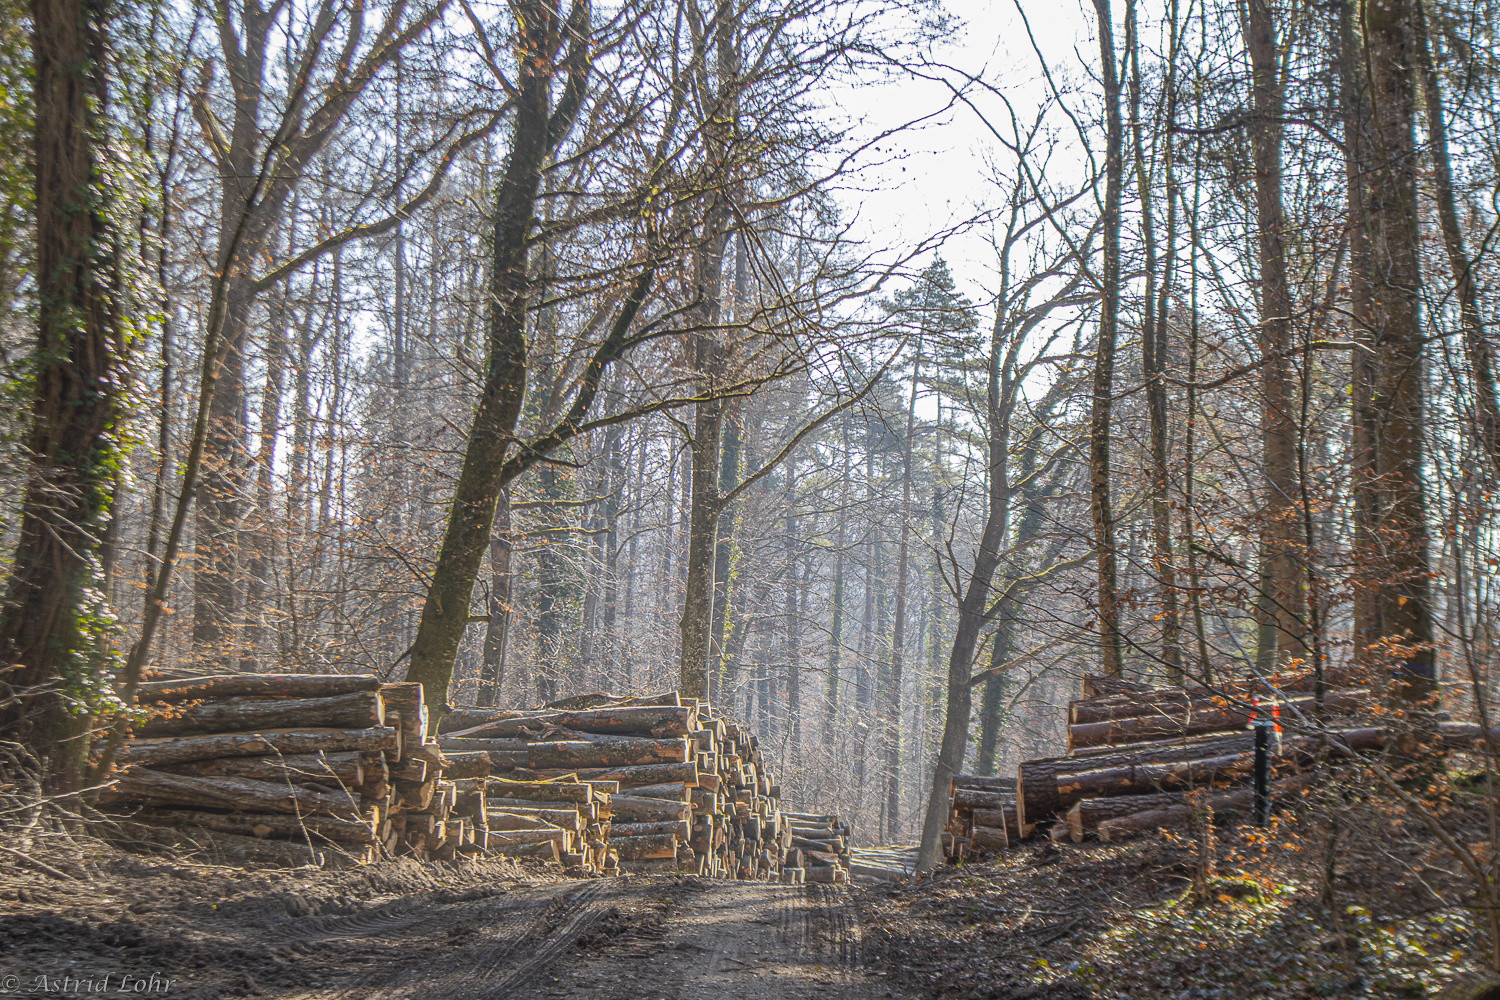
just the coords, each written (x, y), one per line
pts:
(942, 179)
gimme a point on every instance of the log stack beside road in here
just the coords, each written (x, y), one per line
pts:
(688, 788)
(1140, 758)
(311, 765)
(339, 765)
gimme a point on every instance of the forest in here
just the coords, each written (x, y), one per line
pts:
(522, 350)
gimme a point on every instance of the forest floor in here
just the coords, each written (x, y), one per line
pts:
(1042, 923)
(1133, 920)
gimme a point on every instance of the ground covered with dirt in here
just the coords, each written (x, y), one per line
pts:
(102, 922)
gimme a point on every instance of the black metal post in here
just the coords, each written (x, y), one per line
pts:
(1263, 728)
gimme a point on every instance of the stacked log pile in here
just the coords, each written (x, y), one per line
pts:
(345, 765)
(688, 788)
(982, 816)
(1141, 758)
(335, 763)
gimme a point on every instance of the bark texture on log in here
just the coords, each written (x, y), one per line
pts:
(618, 753)
(256, 685)
(262, 825)
(161, 788)
(356, 710)
(346, 768)
(1197, 718)
(175, 750)
(627, 809)
(660, 722)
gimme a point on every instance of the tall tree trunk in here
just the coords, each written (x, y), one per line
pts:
(1154, 352)
(551, 584)
(1282, 631)
(536, 130)
(836, 626)
(1110, 641)
(47, 627)
(898, 630)
(793, 614)
(1477, 346)
(729, 474)
(1357, 145)
(497, 630)
(1403, 608)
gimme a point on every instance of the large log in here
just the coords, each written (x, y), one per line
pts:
(967, 798)
(628, 777)
(255, 685)
(511, 815)
(989, 838)
(644, 847)
(677, 791)
(468, 744)
(546, 850)
(175, 750)
(627, 809)
(499, 840)
(1039, 796)
(336, 768)
(161, 788)
(619, 752)
(540, 791)
(1086, 814)
(1141, 778)
(1173, 701)
(350, 831)
(984, 783)
(1181, 814)
(677, 828)
(471, 764)
(599, 699)
(1198, 718)
(660, 722)
(356, 710)
(525, 821)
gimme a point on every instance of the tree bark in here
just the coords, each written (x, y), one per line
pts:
(1282, 631)
(1402, 602)
(48, 626)
(175, 750)
(1477, 346)
(358, 710)
(538, 128)
(1110, 640)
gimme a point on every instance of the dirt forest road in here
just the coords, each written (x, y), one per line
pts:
(402, 931)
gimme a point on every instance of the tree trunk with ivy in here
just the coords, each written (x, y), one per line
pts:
(55, 626)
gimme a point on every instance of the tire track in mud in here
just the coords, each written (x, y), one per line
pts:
(729, 940)
(483, 946)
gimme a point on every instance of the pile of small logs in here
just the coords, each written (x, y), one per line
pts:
(982, 816)
(334, 763)
(819, 847)
(677, 785)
